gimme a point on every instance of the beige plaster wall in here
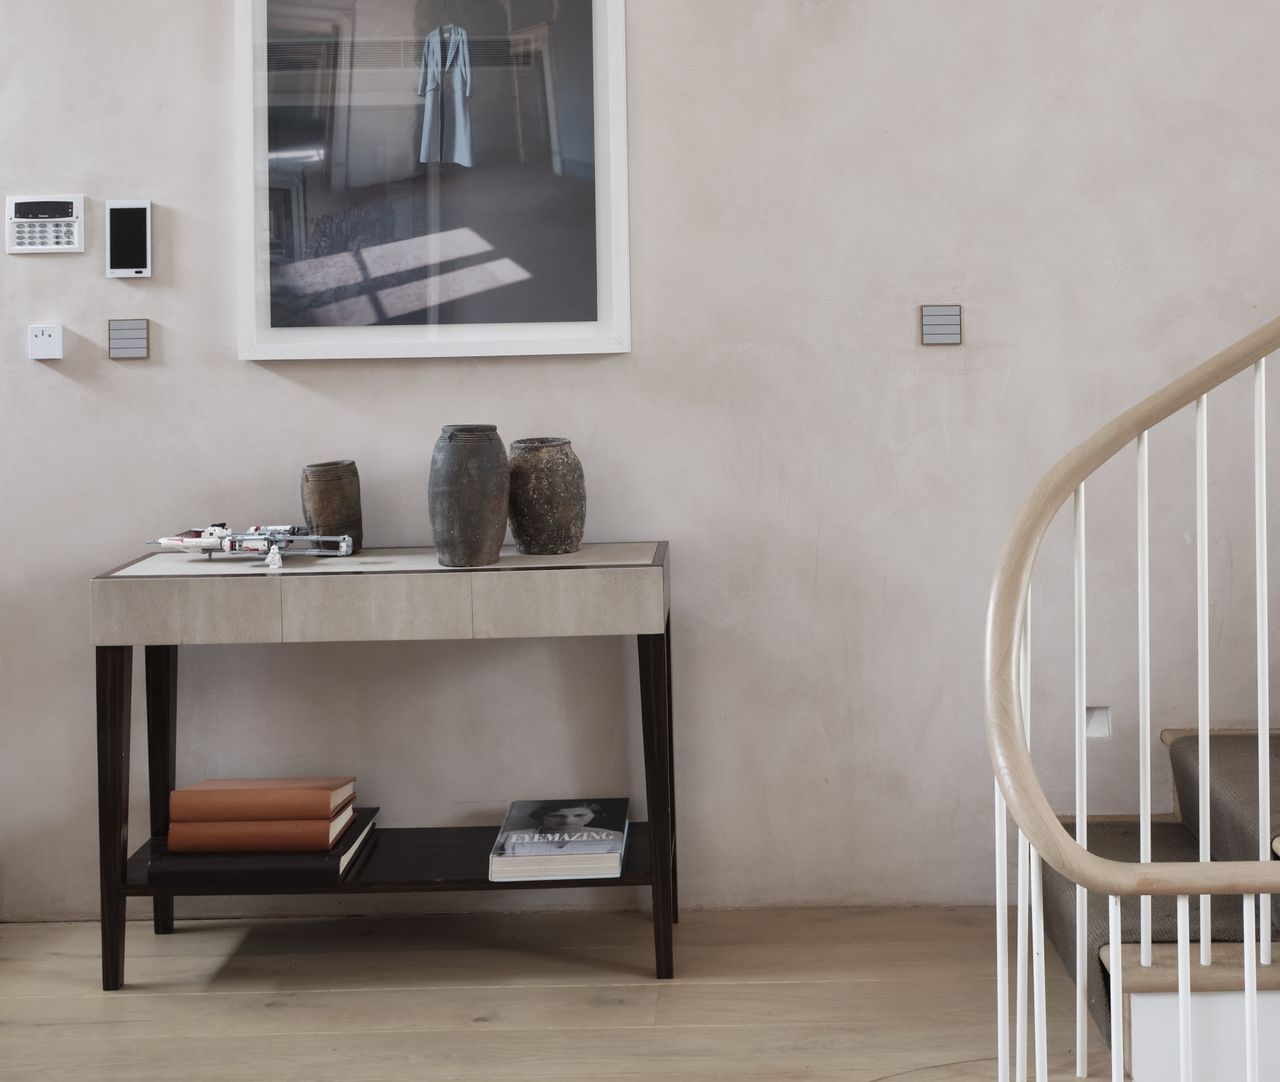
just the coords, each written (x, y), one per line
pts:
(1096, 184)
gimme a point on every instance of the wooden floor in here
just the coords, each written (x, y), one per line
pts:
(822, 994)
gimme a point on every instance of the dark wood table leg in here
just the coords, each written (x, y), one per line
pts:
(115, 688)
(671, 786)
(657, 776)
(162, 718)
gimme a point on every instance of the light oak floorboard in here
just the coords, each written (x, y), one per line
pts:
(272, 1014)
(826, 995)
(784, 927)
(485, 966)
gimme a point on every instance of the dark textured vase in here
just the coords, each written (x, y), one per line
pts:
(467, 495)
(548, 503)
(331, 500)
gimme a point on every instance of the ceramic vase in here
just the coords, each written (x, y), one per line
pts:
(467, 495)
(331, 500)
(548, 501)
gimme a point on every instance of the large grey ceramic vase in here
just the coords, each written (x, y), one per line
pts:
(548, 496)
(467, 495)
(331, 500)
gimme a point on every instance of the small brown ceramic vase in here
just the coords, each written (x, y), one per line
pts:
(331, 500)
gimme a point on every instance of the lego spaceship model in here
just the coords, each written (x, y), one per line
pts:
(271, 542)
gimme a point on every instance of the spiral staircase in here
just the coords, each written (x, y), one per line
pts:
(1165, 919)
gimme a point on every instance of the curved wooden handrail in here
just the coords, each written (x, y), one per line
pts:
(1006, 615)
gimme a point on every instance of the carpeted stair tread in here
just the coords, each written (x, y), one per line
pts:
(1118, 839)
(1233, 791)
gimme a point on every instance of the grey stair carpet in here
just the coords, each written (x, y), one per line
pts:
(1119, 840)
(1233, 791)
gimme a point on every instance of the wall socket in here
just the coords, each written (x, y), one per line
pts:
(44, 341)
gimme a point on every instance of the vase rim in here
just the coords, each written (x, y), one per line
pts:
(541, 441)
(330, 465)
(466, 430)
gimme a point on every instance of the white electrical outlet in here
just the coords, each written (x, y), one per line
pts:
(44, 341)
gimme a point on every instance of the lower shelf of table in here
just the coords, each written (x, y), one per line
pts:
(411, 860)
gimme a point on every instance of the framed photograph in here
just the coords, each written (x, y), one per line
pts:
(431, 178)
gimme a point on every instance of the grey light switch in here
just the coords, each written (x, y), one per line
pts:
(940, 324)
(128, 338)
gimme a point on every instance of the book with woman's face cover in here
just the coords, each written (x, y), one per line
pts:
(566, 828)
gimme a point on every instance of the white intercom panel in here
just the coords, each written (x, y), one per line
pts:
(43, 223)
(128, 238)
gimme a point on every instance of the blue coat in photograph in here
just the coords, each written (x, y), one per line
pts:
(444, 80)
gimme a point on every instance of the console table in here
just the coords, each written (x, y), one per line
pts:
(167, 600)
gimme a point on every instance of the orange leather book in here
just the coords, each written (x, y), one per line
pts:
(263, 836)
(220, 800)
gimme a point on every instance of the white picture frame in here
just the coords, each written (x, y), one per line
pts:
(609, 333)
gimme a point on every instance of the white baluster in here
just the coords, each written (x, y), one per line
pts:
(1036, 877)
(1144, 688)
(1250, 995)
(1037, 961)
(1024, 868)
(1264, 652)
(1202, 658)
(1082, 802)
(1022, 1000)
(1117, 991)
(1184, 988)
(1002, 939)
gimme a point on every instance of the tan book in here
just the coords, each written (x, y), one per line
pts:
(220, 800)
(261, 836)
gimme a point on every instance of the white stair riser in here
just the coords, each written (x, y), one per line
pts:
(1217, 1035)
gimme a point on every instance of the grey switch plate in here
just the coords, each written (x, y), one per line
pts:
(940, 325)
(128, 338)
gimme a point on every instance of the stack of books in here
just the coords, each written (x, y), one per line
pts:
(287, 831)
(561, 839)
